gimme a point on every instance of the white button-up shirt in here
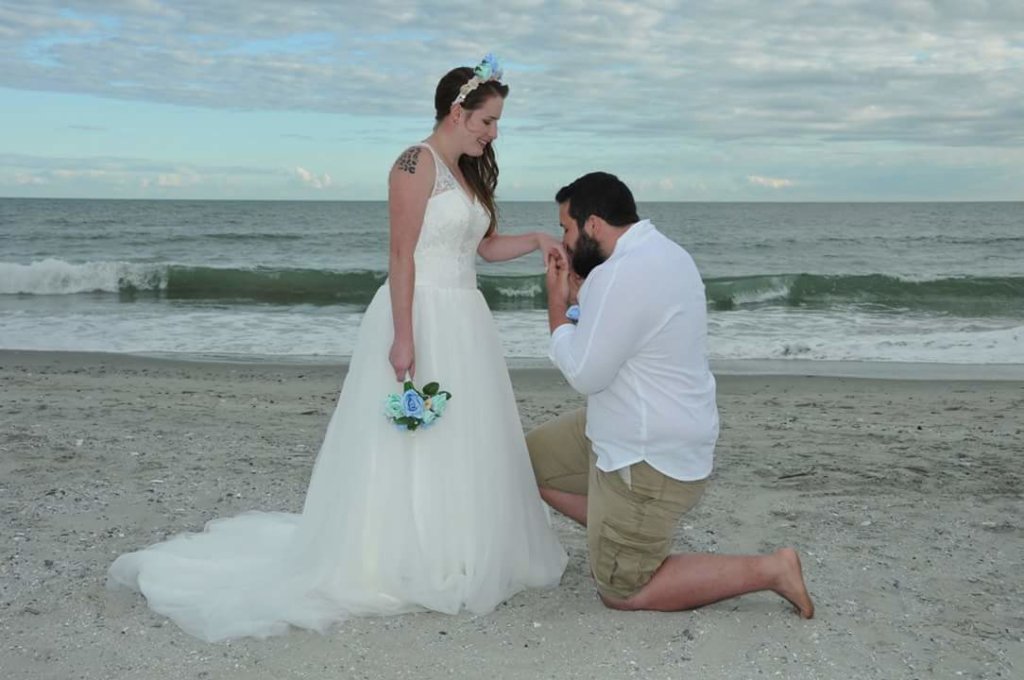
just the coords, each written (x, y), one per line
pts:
(639, 353)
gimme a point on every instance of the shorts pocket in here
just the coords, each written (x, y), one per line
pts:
(626, 560)
(646, 482)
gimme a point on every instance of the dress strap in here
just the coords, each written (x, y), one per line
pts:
(444, 180)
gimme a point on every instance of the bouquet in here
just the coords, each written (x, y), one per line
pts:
(413, 408)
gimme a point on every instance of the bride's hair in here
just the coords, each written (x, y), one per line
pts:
(480, 172)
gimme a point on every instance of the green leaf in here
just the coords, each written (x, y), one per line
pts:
(408, 385)
(447, 394)
(430, 389)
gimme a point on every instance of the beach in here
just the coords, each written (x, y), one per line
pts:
(904, 498)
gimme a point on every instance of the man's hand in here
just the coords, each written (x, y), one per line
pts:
(575, 282)
(559, 288)
(556, 265)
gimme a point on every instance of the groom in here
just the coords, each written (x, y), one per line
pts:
(637, 458)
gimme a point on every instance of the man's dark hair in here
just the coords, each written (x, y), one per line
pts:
(601, 194)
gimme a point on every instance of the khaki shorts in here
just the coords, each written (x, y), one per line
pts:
(632, 514)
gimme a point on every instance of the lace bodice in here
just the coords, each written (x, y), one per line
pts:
(453, 225)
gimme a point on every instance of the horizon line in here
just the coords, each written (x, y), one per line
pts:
(500, 200)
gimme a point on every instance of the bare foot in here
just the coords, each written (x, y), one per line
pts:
(790, 583)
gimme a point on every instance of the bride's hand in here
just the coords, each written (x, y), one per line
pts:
(403, 359)
(547, 245)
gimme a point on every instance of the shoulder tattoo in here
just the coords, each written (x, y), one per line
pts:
(407, 161)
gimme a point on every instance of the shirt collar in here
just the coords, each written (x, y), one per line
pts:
(633, 236)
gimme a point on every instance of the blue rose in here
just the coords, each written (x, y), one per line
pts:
(412, 404)
(438, 403)
(393, 406)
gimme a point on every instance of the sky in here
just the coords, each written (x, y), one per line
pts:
(733, 100)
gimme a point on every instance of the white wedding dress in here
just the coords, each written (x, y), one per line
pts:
(446, 519)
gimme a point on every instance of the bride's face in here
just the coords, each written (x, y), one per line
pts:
(479, 127)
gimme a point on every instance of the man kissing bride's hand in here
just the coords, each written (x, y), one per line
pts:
(547, 245)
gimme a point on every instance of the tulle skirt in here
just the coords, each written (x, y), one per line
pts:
(446, 519)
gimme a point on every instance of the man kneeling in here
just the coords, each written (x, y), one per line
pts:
(637, 458)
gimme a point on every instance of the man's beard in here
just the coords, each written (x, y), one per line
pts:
(586, 255)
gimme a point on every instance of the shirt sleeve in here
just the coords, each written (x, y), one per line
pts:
(611, 326)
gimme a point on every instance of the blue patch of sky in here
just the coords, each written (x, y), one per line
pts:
(518, 67)
(402, 35)
(39, 50)
(299, 44)
(622, 69)
(187, 134)
(107, 21)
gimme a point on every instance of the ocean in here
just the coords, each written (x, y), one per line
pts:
(938, 283)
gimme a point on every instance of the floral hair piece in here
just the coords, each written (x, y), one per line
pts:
(487, 70)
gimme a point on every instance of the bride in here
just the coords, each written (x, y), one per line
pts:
(446, 518)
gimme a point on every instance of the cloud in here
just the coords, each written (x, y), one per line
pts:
(941, 73)
(87, 176)
(770, 182)
(79, 174)
(835, 90)
(27, 179)
(312, 180)
(177, 180)
(110, 164)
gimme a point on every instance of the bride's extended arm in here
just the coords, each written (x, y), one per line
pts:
(501, 247)
(409, 186)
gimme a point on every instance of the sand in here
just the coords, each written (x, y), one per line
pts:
(904, 498)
